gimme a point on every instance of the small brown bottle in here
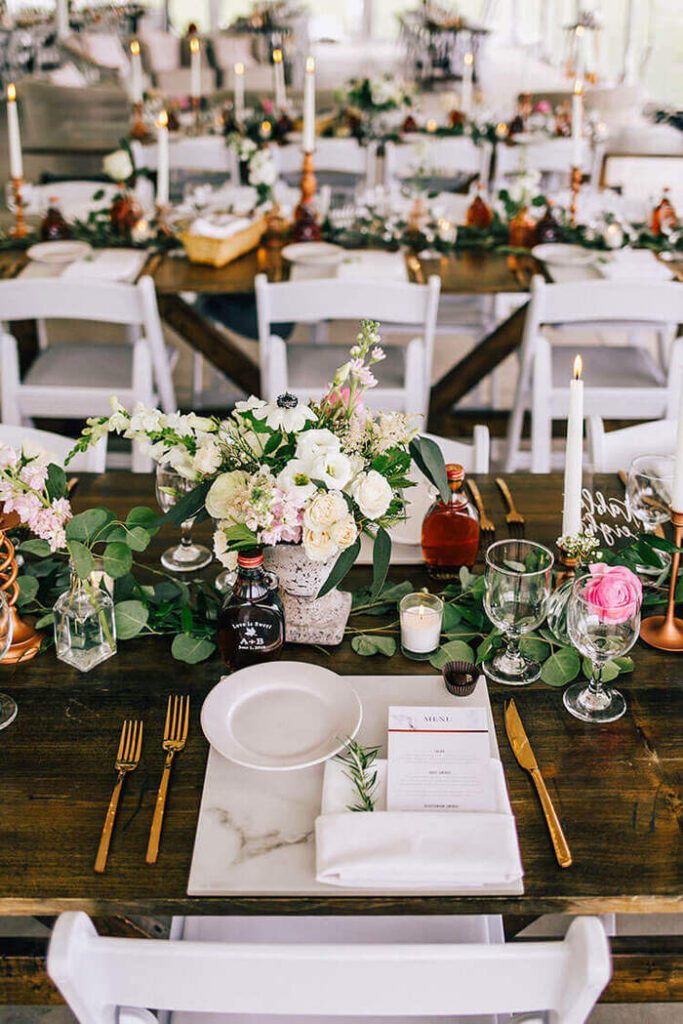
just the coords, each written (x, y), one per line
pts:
(251, 622)
(547, 228)
(522, 229)
(479, 213)
(664, 215)
(53, 226)
(450, 531)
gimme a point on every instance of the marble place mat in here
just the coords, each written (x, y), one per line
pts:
(255, 832)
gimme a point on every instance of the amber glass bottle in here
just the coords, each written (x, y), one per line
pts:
(664, 216)
(522, 229)
(251, 622)
(547, 228)
(479, 213)
(53, 226)
(450, 531)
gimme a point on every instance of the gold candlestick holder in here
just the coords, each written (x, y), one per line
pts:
(161, 220)
(666, 631)
(19, 230)
(306, 227)
(138, 128)
(26, 640)
(575, 185)
(196, 102)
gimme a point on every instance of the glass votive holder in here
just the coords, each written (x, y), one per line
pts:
(421, 615)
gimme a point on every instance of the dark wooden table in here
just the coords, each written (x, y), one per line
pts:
(616, 787)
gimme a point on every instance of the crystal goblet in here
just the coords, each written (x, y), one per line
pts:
(186, 556)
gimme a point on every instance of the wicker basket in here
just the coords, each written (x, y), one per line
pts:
(217, 252)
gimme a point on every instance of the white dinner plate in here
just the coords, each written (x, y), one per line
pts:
(563, 255)
(58, 252)
(321, 253)
(281, 715)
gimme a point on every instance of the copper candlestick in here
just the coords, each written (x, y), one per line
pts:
(25, 640)
(306, 227)
(575, 185)
(666, 631)
(569, 565)
(19, 230)
(196, 102)
(138, 128)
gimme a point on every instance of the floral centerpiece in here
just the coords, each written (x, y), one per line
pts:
(374, 105)
(258, 165)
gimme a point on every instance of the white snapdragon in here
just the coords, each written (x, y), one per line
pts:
(372, 493)
(145, 420)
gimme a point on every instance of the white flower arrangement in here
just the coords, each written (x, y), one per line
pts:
(261, 168)
(118, 166)
(319, 475)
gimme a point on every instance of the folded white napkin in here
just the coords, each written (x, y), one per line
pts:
(370, 265)
(413, 850)
(635, 264)
(107, 265)
(219, 227)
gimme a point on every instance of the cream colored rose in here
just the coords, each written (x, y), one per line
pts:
(207, 458)
(225, 493)
(118, 165)
(324, 509)
(220, 547)
(344, 532)
(318, 545)
(372, 494)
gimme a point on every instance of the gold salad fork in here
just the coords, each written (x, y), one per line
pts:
(515, 520)
(127, 760)
(175, 737)
(486, 525)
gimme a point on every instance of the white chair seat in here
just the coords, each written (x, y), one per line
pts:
(315, 366)
(614, 366)
(91, 366)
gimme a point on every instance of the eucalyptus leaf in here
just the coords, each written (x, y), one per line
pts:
(187, 507)
(86, 526)
(138, 538)
(429, 460)
(534, 648)
(381, 556)
(28, 589)
(35, 546)
(143, 516)
(624, 664)
(452, 617)
(130, 617)
(489, 644)
(81, 558)
(367, 645)
(609, 673)
(191, 649)
(561, 667)
(45, 620)
(55, 485)
(395, 591)
(454, 650)
(340, 568)
(117, 559)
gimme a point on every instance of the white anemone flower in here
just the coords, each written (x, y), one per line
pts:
(285, 414)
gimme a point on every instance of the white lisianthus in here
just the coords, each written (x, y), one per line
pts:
(207, 458)
(295, 482)
(325, 509)
(313, 443)
(118, 165)
(225, 493)
(333, 469)
(372, 494)
(319, 546)
(344, 532)
(220, 547)
(290, 419)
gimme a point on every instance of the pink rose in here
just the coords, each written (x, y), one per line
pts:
(613, 591)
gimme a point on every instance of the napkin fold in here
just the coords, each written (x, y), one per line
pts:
(219, 227)
(413, 850)
(635, 264)
(107, 265)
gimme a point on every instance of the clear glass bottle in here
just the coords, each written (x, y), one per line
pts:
(84, 626)
(450, 531)
(251, 622)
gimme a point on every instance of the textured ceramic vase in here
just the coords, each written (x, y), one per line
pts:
(308, 619)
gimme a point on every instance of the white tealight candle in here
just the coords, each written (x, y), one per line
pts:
(573, 459)
(136, 89)
(577, 124)
(279, 80)
(239, 91)
(195, 68)
(309, 107)
(467, 75)
(16, 166)
(421, 617)
(162, 160)
(677, 489)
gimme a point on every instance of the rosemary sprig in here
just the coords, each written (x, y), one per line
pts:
(359, 768)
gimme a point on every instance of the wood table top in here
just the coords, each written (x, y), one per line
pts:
(616, 787)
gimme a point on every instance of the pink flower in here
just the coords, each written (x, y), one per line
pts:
(267, 106)
(8, 456)
(613, 591)
(543, 107)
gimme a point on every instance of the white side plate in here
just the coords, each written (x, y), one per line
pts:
(322, 253)
(58, 252)
(564, 255)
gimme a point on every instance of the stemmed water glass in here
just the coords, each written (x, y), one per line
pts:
(518, 579)
(600, 634)
(648, 496)
(8, 706)
(186, 556)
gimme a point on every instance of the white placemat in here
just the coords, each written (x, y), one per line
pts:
(255, 832)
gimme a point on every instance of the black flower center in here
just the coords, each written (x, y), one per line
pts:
(287, 401)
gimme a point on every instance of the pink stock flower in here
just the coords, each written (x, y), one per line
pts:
(613, 591)
(543, 107)
(363, 373)
(34, 474)
(8, 457)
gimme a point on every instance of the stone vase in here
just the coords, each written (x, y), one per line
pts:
(308, 619)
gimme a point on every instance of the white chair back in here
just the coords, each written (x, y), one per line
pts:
(229, 50)
(98, 975)
(553, 156)
(474, 458)
(614, 303)
(442, 157)
(162, 49)
(341, 155)
(207, 153)
(615, 450)
(75, 198)
(56, 446)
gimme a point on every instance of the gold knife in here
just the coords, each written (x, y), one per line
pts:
(521, 748)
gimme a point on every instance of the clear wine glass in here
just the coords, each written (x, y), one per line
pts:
(518, 581)
(186, 556)
(8, 706)
(648, 497)
(600, 634)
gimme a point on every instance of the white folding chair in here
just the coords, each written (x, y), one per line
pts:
(552, 158)
(204, 153)
(614, 450)
(444, 157)
(404, 376)
(474, 458)
(346, 163)
(621, 381)
(56, 446)
(108, 980)
(77, 380)
(75, 198)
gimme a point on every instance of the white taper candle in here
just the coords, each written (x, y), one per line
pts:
(677, 489)
(467, 76)
(163, 165)
(279, 89)
(309, 107)
(573, 456)
(195, 68)
(136, 88)
(577, 124)
(238, 84)
(16, 166)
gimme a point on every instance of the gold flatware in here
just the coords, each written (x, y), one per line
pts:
(415, 267)
(152, 265)
(486, 525)
(127, 760)
(175, 737)
(521, 748)
(515, 520)
(659, 529)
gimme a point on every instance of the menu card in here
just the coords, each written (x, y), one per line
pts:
(439, 759)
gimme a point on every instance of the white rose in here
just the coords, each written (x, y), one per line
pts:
(313, 443)
(207, 458)
(372, 494)
(344, 532)
(319, 546)
(333, 469)
(324, 510)
(220, 547)
(118, 165)
(224, 494)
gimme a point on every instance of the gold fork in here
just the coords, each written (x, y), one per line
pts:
(515, 520)
(175, 737)
(127, 759)
(659, 529)
(486, 525)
